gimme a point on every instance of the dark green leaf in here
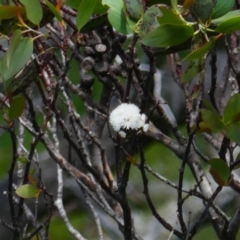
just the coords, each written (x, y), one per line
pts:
(149, 20)
(116, 16)
(200, 52)
(207, 105)
(85, 11)
(73, 3)
(8, 12)
(227, 16)
(168, 35)
(54, 10)
(20, 57)
(135, 8)
(212, 120)
(169, 16)
(219, 171)
(191, 71)
(16, 108)
(34, 10)
(28, 191)
(29, 73)
(100, 8)
(13, 46)
(202, 10)
(236, 160)
(222, 7)
(233, 132)
(228, 26)
(95, 22)
(232, 108)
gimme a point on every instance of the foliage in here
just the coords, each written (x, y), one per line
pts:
(65, 64)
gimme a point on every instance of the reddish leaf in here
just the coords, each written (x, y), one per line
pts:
(220, 171)
(16, 108)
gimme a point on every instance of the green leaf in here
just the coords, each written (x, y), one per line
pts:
(202, 10)
(233, 132)
(34, 10)
(100, 8)
(228, 26)
(200, 52)
(8, 12)
(149, 20)
(73, 3)
(207, 105)
(191, 71)
(13, 46)
(29, 73)
(116, 17)
(85, 11)
(54, 10)
(236, 160)
(222, 7)
(16, 108)
(28, 191)
(168, 35)
(170, 16)
(212, 120)
(232, 108)
(174, 4)
(220, 171)
(22, 160)
(227, 16)
(20, 57)
(135, 8)
(95, 22)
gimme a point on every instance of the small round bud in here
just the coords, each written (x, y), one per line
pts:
(89, 51)
(101, 67)
(88, 63)
(86, 80)
(101, 48)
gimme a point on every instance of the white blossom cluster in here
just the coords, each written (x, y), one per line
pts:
(126, 117)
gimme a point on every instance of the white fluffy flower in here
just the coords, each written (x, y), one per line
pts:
(127, 116)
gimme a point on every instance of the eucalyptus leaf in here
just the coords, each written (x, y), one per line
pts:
(116, 17)
(135, 8)
(201, 51)
(202, 10)
(8, 12)
(54, 10)
(174, 4)
(229, 15)
(191, 71)
(13, 46)
(228, 26)
(28, 191)
(222, 7)
(220, 171)
(20, 57)
(28, 74)
(168, 35)
(213, 120)
(149, 21)
(169, 16)
(16, 108)
(232, 108)
(207, 105)
(233, 132)
(85, 11)
(34, 10)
